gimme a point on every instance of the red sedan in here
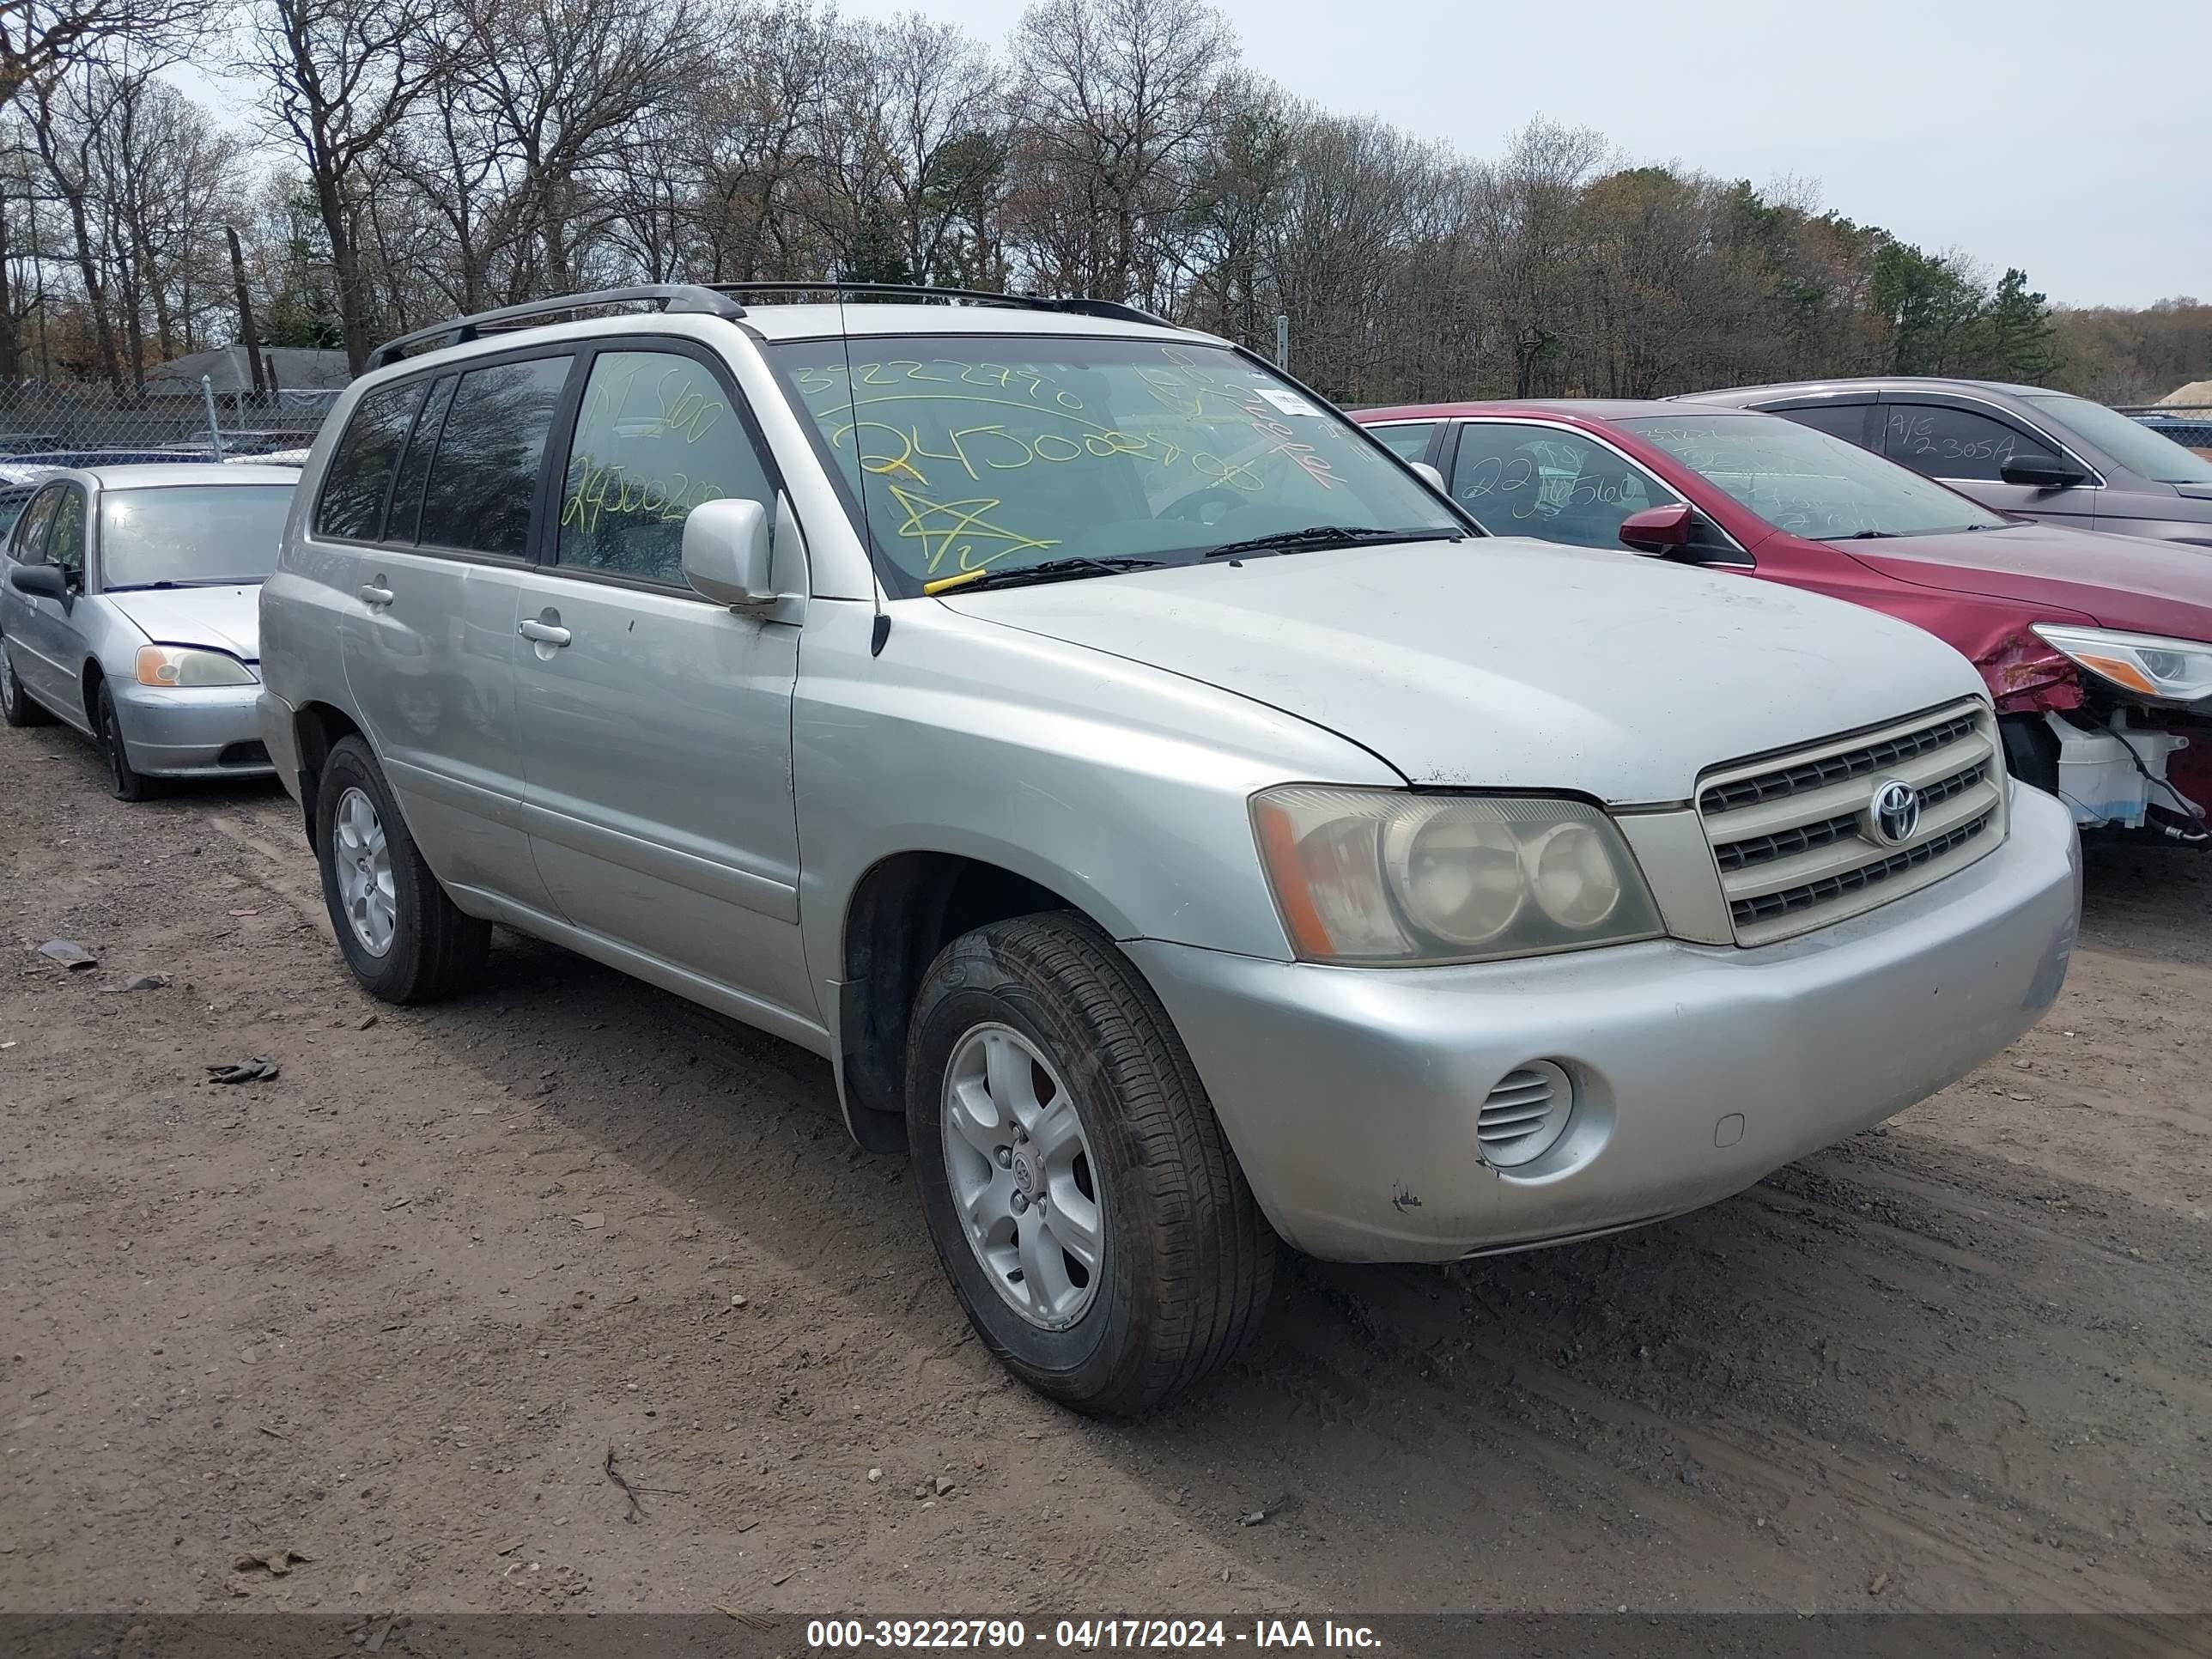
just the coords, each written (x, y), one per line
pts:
(2097, 649)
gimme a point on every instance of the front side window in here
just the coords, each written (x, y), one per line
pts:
(1944, 442)
(1806, 482)
(31, 533)
(993, 452)
(352, 504)
(483, 478)
(191, 535)
(65, 541)
(2128, 441)
(1549, 483)
(656, 436)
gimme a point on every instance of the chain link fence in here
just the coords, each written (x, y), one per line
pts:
(2187, 425)
(45, 425)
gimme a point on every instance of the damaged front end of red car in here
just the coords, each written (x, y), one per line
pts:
(2082, 718)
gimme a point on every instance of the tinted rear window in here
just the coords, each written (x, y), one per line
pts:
(484, 476)
(352, 504)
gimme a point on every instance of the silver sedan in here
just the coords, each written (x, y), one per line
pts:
(130, 610)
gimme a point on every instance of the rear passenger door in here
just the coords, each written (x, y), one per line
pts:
(656, 723)
(1966, 446)
(431, 492)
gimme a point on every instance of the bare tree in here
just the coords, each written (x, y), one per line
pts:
(1119, 100)
(344, 74)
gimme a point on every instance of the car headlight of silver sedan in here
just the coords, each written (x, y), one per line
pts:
(1382, 877)
(176, 666)
(2172, 671)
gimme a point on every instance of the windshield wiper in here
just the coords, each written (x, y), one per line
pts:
(1052, 570)
(1324, 535)
(1864, 536)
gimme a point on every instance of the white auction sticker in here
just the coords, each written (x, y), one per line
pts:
(1289, 402)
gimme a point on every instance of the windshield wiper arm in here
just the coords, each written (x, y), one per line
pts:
(1320, 535)
(1051, 570)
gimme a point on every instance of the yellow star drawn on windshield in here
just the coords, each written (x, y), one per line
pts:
(937, 526)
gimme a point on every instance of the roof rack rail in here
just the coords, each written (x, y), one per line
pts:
(458, 331)
(925, 293)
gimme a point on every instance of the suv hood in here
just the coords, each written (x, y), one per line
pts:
(226, 618)
(1507, 664)
(2134, 583)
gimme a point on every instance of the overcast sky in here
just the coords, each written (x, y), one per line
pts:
(2070, 138)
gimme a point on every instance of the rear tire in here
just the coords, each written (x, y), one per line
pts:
(17, 707)
(1184, 1260)
(124, 781)
(404, 938)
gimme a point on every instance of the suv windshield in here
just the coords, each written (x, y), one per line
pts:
(2130, 442)
(1001, 452)
(198, 535)
(1806, 482)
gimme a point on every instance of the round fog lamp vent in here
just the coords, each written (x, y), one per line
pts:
(1525, 1115)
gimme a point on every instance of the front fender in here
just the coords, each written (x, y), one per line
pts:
(1119, 787)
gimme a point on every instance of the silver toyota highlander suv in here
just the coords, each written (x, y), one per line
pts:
(1179, 828)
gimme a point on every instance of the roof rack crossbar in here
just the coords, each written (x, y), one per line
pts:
(457, 330)
(925, 293)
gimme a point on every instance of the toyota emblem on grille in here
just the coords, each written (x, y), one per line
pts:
(1895, 811)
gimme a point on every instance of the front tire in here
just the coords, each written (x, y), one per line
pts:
(404, 938)
(1076, 1185)
(124, 781)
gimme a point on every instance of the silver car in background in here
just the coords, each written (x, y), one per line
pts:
(130, 609)
(1181, 828)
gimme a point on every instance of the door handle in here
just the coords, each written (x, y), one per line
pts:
(374, 594)
(544, 633)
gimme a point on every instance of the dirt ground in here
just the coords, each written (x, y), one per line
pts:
(395, 1311)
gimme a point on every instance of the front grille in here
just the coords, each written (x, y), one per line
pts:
(1833, 768)
(1793, 835)
(243, 754)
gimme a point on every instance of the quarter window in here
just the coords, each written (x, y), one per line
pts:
(352, 504)
(656, 436)
(483, 476)
(1844, 420)
(1409, 438)
(1940, 441)
(1549, 483)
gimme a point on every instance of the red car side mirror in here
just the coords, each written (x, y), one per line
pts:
(1660, 529)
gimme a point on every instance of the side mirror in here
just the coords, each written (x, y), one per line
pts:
(2042, 472)
(1429, 475)
(1660, 531)
(727, 555)
(40, 581)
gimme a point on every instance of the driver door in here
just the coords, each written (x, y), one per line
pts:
(47, 650)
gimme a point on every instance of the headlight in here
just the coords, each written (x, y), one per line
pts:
(179, 664)
(1381, 876)
(2174, 671)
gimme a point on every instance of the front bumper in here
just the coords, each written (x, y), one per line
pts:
(204, 732)
(1351, 1094)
